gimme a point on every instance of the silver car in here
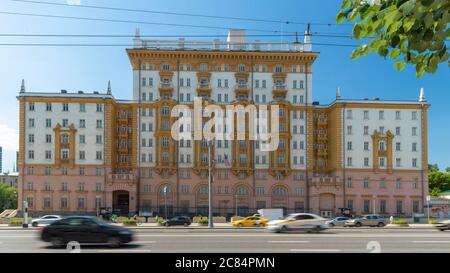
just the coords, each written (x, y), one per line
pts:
(443, 225)
(337, 221)
(371, 220)
(45, 220)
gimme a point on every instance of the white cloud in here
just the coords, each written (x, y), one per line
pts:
(9, 138)
(73, 2)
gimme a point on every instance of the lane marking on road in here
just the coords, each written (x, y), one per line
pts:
(431, 242)
(316, 250)
(293, 242)
(296, 235)
(125, 250)
(19, 236)
(144, 242)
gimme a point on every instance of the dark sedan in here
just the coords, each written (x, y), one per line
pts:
(178, 221)
(85, 230)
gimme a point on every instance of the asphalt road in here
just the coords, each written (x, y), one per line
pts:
(249, 241)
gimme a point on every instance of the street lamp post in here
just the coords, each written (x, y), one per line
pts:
(428, 207)
(210, 178)
(374, 197)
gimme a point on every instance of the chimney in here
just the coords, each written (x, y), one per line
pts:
(22, 88)
(422, 95)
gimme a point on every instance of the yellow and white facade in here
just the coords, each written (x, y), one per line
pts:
(81, 152)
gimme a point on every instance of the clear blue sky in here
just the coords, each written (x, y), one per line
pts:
(50, 69)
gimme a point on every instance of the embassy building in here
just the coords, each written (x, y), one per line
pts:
(80, 152)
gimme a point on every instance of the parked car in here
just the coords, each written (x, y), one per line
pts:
(178, 221)
(85, 230)
(443, 225)
(371, 220)
(251, 221)
(45, 220)
(337, 221)
(299, 221)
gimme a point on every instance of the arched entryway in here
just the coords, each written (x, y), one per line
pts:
(280, 194)
(241, 200)
(327, 204)
(121, 202)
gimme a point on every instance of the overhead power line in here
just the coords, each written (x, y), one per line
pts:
(130, 21)
(316, 34)
(180, 14)
(130, 45)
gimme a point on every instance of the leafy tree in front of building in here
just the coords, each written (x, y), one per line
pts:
(411, 32)
(433, 167)
(438, 181)
(8, 197)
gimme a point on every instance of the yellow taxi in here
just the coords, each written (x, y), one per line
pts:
(251, 221)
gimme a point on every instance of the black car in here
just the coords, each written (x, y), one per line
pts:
(85, 230)
(178, 221)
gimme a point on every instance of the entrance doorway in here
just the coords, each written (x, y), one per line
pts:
(121, 202)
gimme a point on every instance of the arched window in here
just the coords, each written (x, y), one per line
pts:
(203, 190)
(165, 190)
(279, 191)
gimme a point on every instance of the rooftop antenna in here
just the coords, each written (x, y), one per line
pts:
(338, 93)
(109, 88)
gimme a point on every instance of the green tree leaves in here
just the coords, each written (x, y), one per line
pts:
(8, 197)
(411, 32)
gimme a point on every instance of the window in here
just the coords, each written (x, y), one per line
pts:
(381, 115)
(366, 146)
(82, 107)
(48, 154)
(414, 115)
(349, 161)
(278, 68)
(48, 138)
(65, 123)
(31, 122)
(98, 155)
(366, 114)
(414, 131)
(366, 162)
(31, 154)
(415, 184)
(98, 139)
(397, 115)
(349, 182)
(366, 206)
(241, 68)
(349, 130)
(31, 106)
(82, 123)
(166, 67)
(349, 114)
(99, 107)
(398, 183)
(398, 146)
(414, 162)
(48, 106)
(99, 124)
(382, 161)
(47, 203)
(203, 67)
(414, 147)
(31, 138)
(383, 206)
(399, 206)
(382, 183)
(65, 107)
(381, 130)
(397, 131)
(398, 162)
(263, 85)
(82, 155)
(366, 182)
(82, 139)
(64, 154)
(81, 203)
(48, 123)
(349, 145)
(416, 206)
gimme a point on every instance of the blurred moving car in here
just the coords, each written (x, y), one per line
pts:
(371, 220)
(299, 221)
(178, 221)
(251, 221)
(45, 220)
(85, 230)
(443, 225)
(337, 221)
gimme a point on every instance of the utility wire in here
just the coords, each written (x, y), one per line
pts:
(167, 35)
(180, 14)
(129, 21)
(130, 45)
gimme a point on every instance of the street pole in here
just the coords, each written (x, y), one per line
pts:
(374, 204)
(236, 197)
(165, 201)
(428, 208)
(210, 201)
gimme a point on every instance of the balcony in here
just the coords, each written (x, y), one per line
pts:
(322, 137)
(279, 91)
(322, 181)
(165, 89)
(121, 177)
(322, 121)
(322, 152)
(242, 90)
(204, 89)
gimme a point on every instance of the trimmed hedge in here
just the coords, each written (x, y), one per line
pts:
(399, 222)
(129, 223)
